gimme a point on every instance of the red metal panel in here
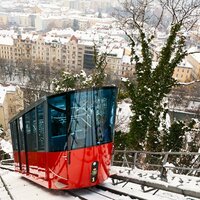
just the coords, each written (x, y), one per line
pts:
(32, 162)
(56, 170)
(37, 163)
(23, 161)
(16, 160)
(42, 165)
(80, 165)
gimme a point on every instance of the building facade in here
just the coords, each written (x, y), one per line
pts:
(11, 102)
(69, 52)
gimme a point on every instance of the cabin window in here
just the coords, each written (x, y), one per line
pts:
(40, 127)
(81, 129)
(104, 114)
(30, 127)
(21, 133)
(92, 117)
(57, 123)
(13, 127)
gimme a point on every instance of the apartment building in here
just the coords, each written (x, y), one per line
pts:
(3, 19)
(183, 72)
(11, 102)
(194, 60)
(41, 49)
(70, 51)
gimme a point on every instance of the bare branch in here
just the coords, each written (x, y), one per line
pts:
(182, 11)
(188, 83)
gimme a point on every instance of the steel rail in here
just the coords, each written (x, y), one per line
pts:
(119, 192)
(5, 186)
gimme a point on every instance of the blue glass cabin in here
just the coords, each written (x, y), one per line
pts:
(66, 121)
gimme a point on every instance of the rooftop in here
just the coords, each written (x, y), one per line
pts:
(4, 90)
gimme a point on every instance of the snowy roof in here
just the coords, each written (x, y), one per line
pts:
(6, 40)
(126, 59)
(86, 43)
(193, 105)
(7, 32)
(61, 32)
(185, 64)
(14, 14)
(51, 17)
(4, 90)
(196, 56)
(111, 51)
(88, 35)
(50, 39)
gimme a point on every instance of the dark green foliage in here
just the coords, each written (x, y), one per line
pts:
(2, 132)
(4, 155)
(194, 144)
(151, 86)
(122, 94)
(75, 25)
(120, 140)
(173, 140)
(99, 14)
(98, 76)
(70, 81)
(65, 83)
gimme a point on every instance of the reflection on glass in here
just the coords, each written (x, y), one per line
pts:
(81, 118)
(57, 123)
(21, 133)
(30, 130)
(40, 124)
(92, 117)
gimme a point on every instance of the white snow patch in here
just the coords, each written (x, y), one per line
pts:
(6, 147)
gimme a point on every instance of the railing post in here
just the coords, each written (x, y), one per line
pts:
(125, 159)
(163, 173)
(134, 160)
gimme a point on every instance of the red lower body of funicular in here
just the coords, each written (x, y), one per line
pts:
(78, 168)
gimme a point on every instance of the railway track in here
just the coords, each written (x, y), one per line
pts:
(105, 191)
(99, 192)
(5, 193)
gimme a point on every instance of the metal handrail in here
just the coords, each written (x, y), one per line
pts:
(131, 159)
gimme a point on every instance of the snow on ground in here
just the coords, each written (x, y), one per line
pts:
(183, 182)
(6, 147)
(22, 188)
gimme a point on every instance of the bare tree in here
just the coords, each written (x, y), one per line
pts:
(3, 77)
